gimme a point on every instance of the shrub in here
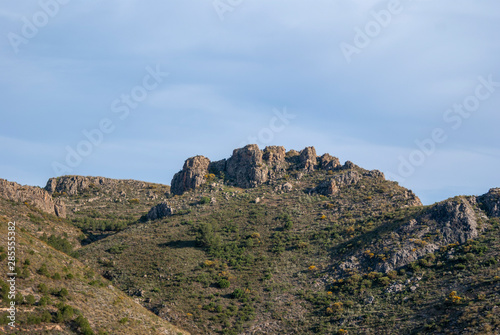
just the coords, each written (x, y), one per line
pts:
(19, 298)
(30, 299)
(43, 270)
(42, 288)
(46, 316)
(59, 243)
(117, 249)
(204, 200)
(224, 283)
(44, 301)
(63, 293)
(453, 298)
(238, 293)
(65, 313)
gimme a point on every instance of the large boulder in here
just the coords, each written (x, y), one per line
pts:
(35, 196)
(159, 211)
(328, 162)
(193, 175)
(308, 159)
(327, 187)
(245, 168)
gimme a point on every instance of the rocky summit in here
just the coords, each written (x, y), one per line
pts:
(267, 241)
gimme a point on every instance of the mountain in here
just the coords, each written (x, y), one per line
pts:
(265, 242)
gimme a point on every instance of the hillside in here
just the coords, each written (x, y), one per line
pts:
(277, 242)
(57, 294)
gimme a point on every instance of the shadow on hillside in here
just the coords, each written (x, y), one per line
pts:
(178, 244)
(94, 237)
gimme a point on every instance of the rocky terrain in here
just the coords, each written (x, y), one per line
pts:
(265, 242)
(35, 196)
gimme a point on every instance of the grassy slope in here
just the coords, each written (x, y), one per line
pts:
(103, 305)
(278, 255)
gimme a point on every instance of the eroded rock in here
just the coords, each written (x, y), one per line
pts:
(35, 196)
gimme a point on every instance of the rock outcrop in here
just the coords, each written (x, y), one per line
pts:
(78, 185)
(72, 185)
(245, 167)
(449, 222)
(327, 187)
(308, 159)
(159, 211)
(193, 175)
(491, 202)
(35, 196)
(250, 167)
(328, 162)
(331, 186)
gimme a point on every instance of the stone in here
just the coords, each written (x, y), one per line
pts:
(287, 187)
(192, 175)
(490, 202)
(274, 155)
(374, 174)
(308, 159)
(349, 165)
(327, 187)
(35, 196)
(347, 178)
(328, 162)
(245, 168)
(159, 211)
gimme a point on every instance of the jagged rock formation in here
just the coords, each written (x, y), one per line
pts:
(193, 174)
(491, 202)
(328, 162)
(451, 221)
(35, 196)
(159, 211)
(75, 185)
(308, 159)
(246, 167)
(327, 187)
(249, 166)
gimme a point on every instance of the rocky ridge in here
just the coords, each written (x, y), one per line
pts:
(35, 196)
(249, 167)
(451, 222)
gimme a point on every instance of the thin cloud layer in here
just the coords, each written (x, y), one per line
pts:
(230, 69)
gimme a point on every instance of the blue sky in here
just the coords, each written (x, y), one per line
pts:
(362, 80)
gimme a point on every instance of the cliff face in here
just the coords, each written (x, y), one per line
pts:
(76, 185)
(192, 175)
(35, 196)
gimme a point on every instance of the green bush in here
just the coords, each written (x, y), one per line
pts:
(30, 299)
(205, 200)
(224, 283)
(238, 293)
(43, 270)
(65, 313)
(83, 324)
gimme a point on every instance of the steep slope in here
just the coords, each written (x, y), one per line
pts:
(58, 294)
